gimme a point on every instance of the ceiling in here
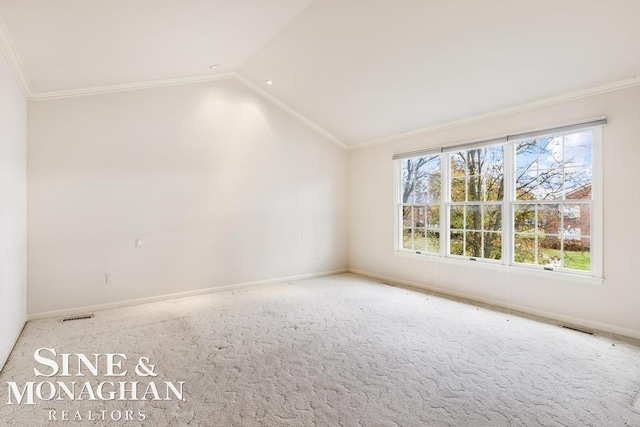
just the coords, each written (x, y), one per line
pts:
(74, 44)
(360, 69)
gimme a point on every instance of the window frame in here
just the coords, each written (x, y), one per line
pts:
(400, 204)
(448, 203)
(508, 205)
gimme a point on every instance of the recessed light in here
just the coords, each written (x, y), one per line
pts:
(269, 82)
(214, 66)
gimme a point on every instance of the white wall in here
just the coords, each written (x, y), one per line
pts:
(613, 306)
(219, 184)
(13, 199)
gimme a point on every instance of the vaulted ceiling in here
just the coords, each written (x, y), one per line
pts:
(360, 69)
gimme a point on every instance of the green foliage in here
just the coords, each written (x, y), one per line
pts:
(421, 240)
(545, 170)
(577, 260)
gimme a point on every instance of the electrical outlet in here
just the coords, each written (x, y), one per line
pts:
(138, 242)
(108, 279)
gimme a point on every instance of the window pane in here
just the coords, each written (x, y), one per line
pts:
(430, 170)
(458, 189)
(493, 162)
(456, 242)
(549, 219)
(406, 216)
(578, 149)
(524, 249)
(577, 183)
(550, 184)
(473, 219)
(473, 244)
(493, 187)
(419, 239)
(433, 216)
(458, 164)
(418, 175)
(419, 216)
(527, 170)
(577, 254)
(476, 174)
(474, 161)
(551, 155)
(492, 220)
(409, 180)
(527, 155)
(525, 218)
(433, 241)
(434, 185)
(407, 238)
(549, 253)
(576, 220)
(492, 245)
(456, 219)
(526, 184)
(474, 189)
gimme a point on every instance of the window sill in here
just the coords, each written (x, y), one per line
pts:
(510, 269)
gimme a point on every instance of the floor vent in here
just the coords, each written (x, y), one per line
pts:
(578, 329)
(79, 317)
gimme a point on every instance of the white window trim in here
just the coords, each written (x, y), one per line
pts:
(515, 270)
(595, 276)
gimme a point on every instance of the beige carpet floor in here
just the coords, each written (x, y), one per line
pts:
(334, 351)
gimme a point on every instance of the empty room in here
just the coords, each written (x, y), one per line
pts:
(319, 213)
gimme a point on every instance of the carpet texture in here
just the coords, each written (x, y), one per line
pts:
(338, 351)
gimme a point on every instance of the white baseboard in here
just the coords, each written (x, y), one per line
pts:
(524, 309)
(4, 357)
(126, 303)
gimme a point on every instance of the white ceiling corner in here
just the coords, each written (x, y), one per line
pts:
(13, 60)
(78, 44)
(70, 93)
(290, 110)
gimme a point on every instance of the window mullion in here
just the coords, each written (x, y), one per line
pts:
(445, 198)
(596, 209)
(508, 203)
(398, 217)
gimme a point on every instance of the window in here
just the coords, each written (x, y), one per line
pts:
(525, 200)
(476, 202)
(420, 206)
(552, 210)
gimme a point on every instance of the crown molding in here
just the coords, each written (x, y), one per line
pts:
(8, 49)
(46, 96)
(596, 90)
(98, 90)
(291, 111)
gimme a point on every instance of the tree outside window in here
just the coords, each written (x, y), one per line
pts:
(550, 206)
